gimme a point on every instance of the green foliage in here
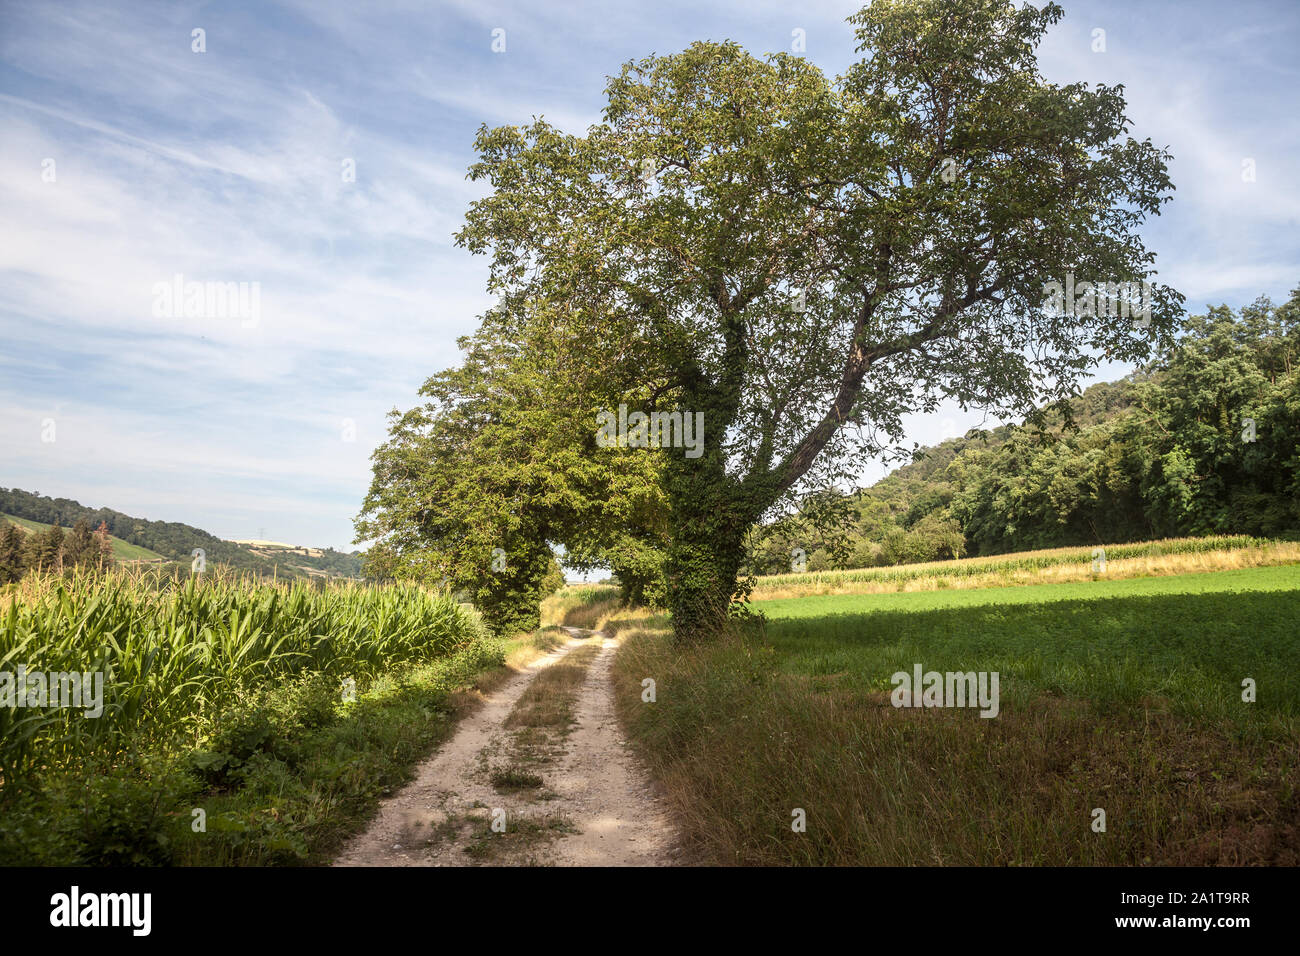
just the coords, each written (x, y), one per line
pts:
(639, 569)
(510, 598)
(784, 254)
(13, 560)
(1163, 453)
(270, 720)
(472, 487)
(312, 771)
(554, 578)
(171, 653)
(43, 551)
(1176, 460)
(120, 824)
(84, 548)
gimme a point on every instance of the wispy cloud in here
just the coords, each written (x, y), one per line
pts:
(228, 166)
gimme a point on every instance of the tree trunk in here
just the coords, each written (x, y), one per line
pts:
(708, 535)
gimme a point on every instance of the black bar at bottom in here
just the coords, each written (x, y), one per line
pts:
(341, 906)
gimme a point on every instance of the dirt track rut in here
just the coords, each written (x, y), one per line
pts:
(596, 808)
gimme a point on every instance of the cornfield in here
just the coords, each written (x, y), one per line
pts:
(1013, 563)
(172, 651)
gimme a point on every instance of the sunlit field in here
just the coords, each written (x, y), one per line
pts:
(1124, 696)
(1113, 561)
(279, 711)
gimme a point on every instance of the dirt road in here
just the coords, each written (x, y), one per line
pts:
(502, 792)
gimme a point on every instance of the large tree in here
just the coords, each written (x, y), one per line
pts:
(804, 261)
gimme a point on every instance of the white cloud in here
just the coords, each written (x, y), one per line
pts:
(225, 166)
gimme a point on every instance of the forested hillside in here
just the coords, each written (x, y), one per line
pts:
(172, 540)
(1205, 440)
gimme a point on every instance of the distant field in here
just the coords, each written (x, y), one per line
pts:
(1123, 696)
(276, 549)
(1186, 641)
(122, 551)
(1171, 556)
(1279, 578)
(580, 605)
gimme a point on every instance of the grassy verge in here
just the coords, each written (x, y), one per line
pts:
(1121, 696)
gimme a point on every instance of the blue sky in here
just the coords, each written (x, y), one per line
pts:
(226, 166)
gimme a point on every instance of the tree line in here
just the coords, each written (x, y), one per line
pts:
(1202, 439)
(170, 539)
(1205, 439)
(53, 549)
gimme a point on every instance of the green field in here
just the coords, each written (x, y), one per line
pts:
(1124, 696)
(284, 711)
(1189, 640)
(1169, 556)
(122, 551)
(1283, 578)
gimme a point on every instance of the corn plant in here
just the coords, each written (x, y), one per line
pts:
(170, 651)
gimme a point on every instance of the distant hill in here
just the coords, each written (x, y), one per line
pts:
(919, 487)
(122, 550)
(142, 539)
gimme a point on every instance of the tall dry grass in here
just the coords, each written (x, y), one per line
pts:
(743, 750)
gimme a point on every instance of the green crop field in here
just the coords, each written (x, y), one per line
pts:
(282, 710)
(1120, 696)
(122, 551)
